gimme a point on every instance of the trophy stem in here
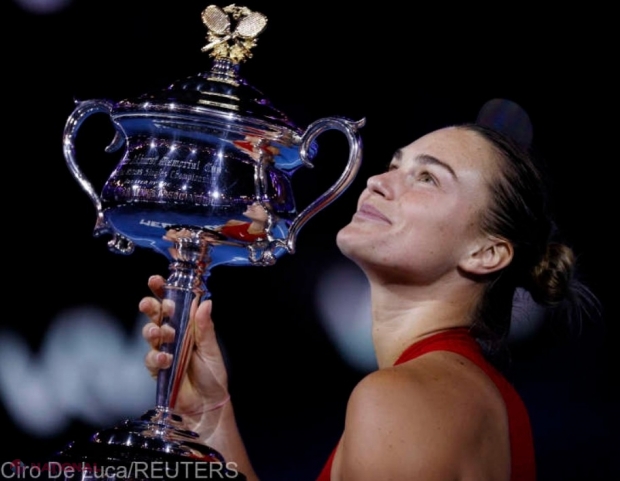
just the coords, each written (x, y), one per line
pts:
(184, 289)
(160, 437)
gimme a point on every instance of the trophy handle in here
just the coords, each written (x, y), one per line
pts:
(351, 131)
(84, 110)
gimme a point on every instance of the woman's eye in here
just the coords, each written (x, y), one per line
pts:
(426, 177)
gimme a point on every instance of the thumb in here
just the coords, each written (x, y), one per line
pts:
(204, 330)
(209, 362)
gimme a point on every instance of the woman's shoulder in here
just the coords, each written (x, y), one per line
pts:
(422, 415)
(435, 380)
(438, 382)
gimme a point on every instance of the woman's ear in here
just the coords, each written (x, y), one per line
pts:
(492, 254)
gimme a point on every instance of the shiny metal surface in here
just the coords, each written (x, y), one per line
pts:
(205, 179)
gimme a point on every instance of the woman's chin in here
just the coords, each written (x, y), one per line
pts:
(346, 239)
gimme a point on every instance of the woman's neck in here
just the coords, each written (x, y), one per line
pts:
(404, 314)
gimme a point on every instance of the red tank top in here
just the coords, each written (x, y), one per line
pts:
(459, 341)
(241, 232)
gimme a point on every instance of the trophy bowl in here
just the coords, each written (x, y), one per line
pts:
(205, 179)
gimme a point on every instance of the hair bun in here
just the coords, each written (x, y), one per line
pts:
(551, 277)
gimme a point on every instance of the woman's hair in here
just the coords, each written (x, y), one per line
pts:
(519, 212)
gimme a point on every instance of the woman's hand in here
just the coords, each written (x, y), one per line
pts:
(204, 389)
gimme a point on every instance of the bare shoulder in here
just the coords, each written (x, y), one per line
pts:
(426, 418)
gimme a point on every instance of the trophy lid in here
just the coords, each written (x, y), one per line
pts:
(219, 94)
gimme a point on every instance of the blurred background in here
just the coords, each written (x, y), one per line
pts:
(295, 334)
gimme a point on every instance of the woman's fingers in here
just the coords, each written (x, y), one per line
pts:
(156, 360)
(156, 335)
(156, 310)
(153, 331)
(151, 307)
(156, 285)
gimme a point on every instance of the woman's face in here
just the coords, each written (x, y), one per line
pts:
(256, 212)
(419, 219)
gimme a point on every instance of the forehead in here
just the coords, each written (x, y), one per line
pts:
(458, 147)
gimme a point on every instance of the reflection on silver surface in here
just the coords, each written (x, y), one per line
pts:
(205, 180)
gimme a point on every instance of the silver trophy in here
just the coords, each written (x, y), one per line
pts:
(205, 180)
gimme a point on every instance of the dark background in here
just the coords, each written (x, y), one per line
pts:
(405, 71)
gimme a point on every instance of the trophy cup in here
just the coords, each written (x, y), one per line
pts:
(205, 180)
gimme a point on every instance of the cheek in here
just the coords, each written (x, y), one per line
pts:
(437, 227)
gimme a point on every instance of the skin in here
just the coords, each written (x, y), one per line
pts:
(257, 214)
(417, 237)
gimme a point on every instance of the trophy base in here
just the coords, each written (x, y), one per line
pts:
(155, 446)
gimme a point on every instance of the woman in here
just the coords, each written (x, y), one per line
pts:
(248, 231)
(444, 236)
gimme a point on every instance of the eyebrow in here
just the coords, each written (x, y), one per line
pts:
(426, 159)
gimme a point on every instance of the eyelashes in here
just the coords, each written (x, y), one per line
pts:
(389, 167)
(427, 177)
(420, 174)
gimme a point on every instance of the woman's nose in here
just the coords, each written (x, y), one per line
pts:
(381, 184)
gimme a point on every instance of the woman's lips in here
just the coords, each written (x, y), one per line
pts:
(369, 212)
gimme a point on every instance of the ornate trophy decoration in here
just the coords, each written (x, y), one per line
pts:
(205, 180)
